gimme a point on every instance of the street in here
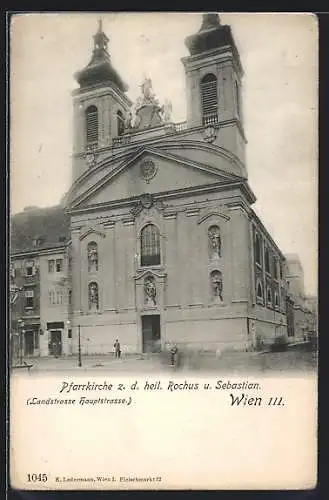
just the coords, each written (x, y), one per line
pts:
(230, 362)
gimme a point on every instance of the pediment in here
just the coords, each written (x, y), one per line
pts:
(143, 273)
(91, 231)
(150, 171)
(221, 213)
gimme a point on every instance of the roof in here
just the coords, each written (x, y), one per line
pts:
(99, 69)
(212, 35)
(39, 228)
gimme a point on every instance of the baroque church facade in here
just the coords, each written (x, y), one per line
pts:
(164, 246)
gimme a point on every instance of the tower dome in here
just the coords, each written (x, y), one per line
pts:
(99, 69)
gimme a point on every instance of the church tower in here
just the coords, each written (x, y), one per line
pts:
(213, 82)
(100, 106)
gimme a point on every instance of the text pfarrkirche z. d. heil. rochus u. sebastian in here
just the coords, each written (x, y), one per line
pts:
(149, 385)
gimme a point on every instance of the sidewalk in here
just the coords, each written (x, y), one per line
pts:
(94, 363)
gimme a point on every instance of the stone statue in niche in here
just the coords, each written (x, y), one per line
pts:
(214, 241)
(92, 257)
(149, 292)
(217, 285)
(93, 296)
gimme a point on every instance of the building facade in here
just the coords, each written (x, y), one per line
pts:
(162, 230)
(304, 308)
(39, 282)
(162, 244)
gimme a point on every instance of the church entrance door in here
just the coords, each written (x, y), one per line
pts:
(151, 333)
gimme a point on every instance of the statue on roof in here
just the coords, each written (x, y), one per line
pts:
(147, 109)
(128, 120)
(148, 96)
(166, 111)
(147, 88)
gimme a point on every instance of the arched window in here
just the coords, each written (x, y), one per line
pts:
(258, 250)
(275, 268)
(267, 260)
(276, 299)
(92, 257)
(91, 125)
(237, 97)
(269, 296)
(150, 245)
(209, 99)
(259, 291)
(120, 123)
(93, 295)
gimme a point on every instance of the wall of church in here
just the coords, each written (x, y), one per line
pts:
(98, 334)
(186, 294)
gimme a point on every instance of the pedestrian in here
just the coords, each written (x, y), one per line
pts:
(117, 349)
(173, 355)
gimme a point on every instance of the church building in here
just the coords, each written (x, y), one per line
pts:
(165, 246)
(156, 243)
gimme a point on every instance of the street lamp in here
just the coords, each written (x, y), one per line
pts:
(79, 342)
(79, 347)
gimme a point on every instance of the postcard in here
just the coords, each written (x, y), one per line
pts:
(163, 257)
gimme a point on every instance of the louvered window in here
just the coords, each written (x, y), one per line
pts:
(237, 98)
(267, 260)
(92, 125)
(258, 250)
(209, 99)
(150, 245)
(121, 127)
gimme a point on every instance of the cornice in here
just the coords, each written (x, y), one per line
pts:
(39, 252)
(172, 194)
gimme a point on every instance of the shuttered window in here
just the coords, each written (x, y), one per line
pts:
(91, 125)
(209, 99)
(150, 246)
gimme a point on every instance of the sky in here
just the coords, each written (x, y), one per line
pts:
(279, 54)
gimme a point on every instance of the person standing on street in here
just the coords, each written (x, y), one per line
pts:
(117, 349)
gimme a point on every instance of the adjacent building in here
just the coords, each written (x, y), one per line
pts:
(303, 307)
(157, 241)
(39, 281)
